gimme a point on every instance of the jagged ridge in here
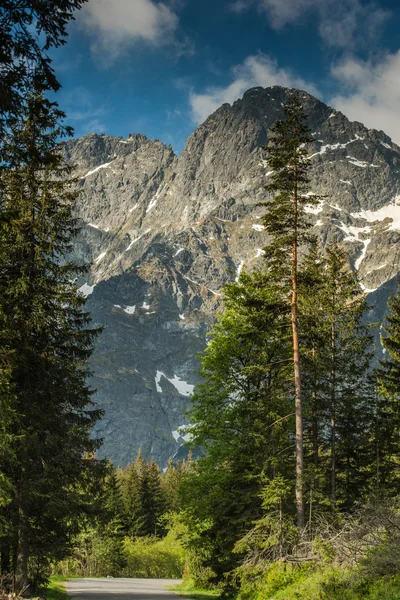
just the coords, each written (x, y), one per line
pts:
(165, 233)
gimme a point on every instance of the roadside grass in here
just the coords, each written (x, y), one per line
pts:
(56, 588)
(188, 590)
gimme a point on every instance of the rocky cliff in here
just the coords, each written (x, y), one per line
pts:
(163, 234)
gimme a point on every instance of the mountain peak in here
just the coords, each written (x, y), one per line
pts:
(164, 234)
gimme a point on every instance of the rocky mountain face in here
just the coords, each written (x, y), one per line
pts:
(164, 234)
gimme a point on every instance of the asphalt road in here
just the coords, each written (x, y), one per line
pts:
(121, 589)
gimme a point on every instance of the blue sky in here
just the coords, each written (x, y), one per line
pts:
(160, 68)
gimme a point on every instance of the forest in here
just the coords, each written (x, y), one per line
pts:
(290, 488)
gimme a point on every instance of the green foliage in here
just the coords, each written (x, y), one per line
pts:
(285, 219)
(313, 582)
(47, 342)
(152, 557)
(188, 589)
(338, 394)
(126, 502)
(28, 31)
(238, 499)
(387, 435)
(144, 500)
(241, 415)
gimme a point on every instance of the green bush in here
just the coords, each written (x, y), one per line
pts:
(94, 555)
(152, 557)
(316, 582)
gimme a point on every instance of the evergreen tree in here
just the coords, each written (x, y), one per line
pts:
(28, 30)
(171, 481)
(153, 499)
(387, 439)
(285, 221)
(46, 333)
(129, 483)
(242, 417)
(336, 356)
(350, 357)
(143, 498)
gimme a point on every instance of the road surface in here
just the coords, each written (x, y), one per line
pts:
(121, 589)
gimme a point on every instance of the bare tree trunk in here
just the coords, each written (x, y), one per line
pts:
(297, 376)
(314, 417)
(377, 461)
(333, 411)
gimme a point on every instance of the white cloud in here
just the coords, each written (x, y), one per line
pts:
(371, 92)
(118, 23)
(345, 24)
(258, 70)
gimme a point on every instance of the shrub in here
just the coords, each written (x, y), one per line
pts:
(152, 557)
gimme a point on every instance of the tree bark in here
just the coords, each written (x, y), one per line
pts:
(333, 411)
(314, 417)
(297, 376)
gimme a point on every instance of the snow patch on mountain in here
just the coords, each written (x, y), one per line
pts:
(352, 232)
(359, 260)
(97, 169)
(100, 257)
(155, 198)
(239, 270)
(176, 435)
(337, 146)
(137, 239)
(390, 211)
(367, 290)
(130, 310)
(314, 209)
(184, 388)
(361, 163)
(86, 289)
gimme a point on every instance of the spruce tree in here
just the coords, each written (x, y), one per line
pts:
(48, 340)
(28, 30)
(388, 402)
(314, 346)
(336, 356)
(242, 416)
(286, 222)
(129, 483)
(350, 356)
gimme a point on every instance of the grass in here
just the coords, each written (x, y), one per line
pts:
(188, 590)
(56, 588)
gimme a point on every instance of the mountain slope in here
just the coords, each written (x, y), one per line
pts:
(164, 234)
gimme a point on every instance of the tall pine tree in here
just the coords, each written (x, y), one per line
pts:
(286, 222)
